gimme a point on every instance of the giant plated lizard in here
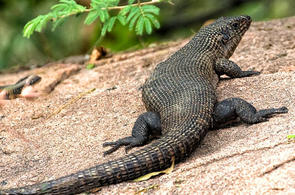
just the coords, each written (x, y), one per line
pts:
(180, 99)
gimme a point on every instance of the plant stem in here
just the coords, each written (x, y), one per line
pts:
(135, 4)
(139, 5)
(123, 6)
(114, 8)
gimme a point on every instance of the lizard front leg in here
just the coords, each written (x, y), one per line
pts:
(232, 108)
(147, 124)
(231, 69)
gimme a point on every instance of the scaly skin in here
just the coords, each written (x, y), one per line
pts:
(13, 91)
(181, 102)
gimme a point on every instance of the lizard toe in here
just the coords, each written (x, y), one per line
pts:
(113, 149)
(108, 144)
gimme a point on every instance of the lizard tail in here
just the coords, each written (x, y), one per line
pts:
(155, 157)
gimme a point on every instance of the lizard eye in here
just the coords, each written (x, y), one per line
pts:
(235, 25)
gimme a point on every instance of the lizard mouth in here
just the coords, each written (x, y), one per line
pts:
(245, 23)
(233, 41)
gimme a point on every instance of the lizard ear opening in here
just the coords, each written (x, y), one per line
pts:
(224, 38)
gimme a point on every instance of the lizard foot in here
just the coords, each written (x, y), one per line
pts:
(282, 110)
(128, 142)
(115, 146)
(250, 73)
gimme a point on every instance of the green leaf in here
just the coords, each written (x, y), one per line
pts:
(36, 25)
(95, 1)
(30, 27)
(65, 7)
(104, 30)
(139, 26)
(133, 20)
(148, 26)
(59, 7)
(113, 2)
(133, 11)
(130, 1)
(152, 18)
(111, 23)
(80, 8)
(291, 138)
(108, 26)
(90, 66)
(151, 9)
(143, 18)
(122, 19)
(104, 15)
(104, 3)
(91, 17)
(57, 22)
(101, 7)
(125, 10)
(43, 20)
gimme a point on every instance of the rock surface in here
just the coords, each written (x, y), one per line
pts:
(242, 159)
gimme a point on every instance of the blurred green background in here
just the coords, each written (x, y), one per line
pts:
(74, 38)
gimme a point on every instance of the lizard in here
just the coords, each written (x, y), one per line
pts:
(181, 102)
(15, 90)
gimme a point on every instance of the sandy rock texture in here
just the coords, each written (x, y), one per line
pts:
(241, 159)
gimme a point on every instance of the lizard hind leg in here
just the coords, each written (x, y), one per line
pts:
(231, 108)
(147, 124)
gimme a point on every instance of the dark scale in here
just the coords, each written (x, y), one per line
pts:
(181, 103)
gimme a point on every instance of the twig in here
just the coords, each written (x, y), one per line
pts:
(276, 166)
(73, 100)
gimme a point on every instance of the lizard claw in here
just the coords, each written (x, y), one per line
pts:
(263, 119)
(127, 148)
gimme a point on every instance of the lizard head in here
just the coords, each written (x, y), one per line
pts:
(226, 32)
(32, 80)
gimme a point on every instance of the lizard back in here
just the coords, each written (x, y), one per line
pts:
(183, 87)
